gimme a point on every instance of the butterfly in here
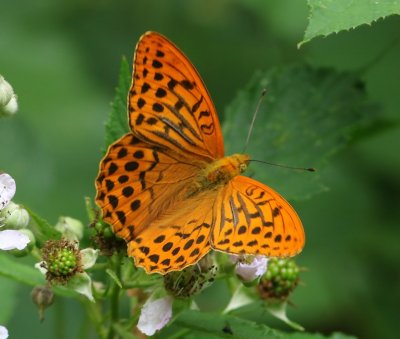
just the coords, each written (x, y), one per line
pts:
(167, 188)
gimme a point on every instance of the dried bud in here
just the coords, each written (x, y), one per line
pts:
(43, 297)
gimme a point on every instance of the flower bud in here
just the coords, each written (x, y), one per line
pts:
(14, 216)
(70, 228)
(43, 297)
(8, 100)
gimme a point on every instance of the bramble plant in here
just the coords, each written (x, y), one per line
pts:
(89, 263)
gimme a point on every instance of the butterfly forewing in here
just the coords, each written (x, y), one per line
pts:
(137, 183)
(169, 105)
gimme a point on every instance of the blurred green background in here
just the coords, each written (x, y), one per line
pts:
(62, 58)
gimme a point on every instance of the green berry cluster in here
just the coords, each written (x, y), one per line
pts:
(63, 262)
(280, 280)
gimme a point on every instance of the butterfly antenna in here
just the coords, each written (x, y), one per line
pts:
(254, 118)
(310, 169)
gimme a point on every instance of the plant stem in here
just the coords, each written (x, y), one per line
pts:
(114, 295)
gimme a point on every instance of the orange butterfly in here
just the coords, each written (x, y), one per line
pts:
(167, 188)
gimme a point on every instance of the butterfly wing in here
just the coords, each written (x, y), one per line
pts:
(251, 218)
(137, 182)
(179, 239)
(169, 105)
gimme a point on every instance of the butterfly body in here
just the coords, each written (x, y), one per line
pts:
(219, 172)
(167, 188)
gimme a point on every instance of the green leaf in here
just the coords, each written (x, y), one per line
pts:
(114, 277)
(123, 332)
(327, 16)
(19, 271)
(307, 115)
(117, 124)
(224, 325)
(42, 229)
(9, 298)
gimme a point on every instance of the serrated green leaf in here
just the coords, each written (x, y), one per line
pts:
(327, 16)
(42, 229)
(307, 115)
(117, 124)
(224, 325)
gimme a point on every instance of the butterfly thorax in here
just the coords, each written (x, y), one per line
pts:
(219, 172)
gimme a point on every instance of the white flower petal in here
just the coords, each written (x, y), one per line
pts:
(41, 268)
(3, 332)
(7, 189)
(155, 314)
(82, 283)
(89, 257)
(253, 270)
(11, 239)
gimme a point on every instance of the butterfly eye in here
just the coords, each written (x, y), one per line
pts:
(242, 167)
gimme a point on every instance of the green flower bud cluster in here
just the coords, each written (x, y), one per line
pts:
(280, 280)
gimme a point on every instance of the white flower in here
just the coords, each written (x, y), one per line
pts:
(8, 100)
(250, 268)
(155, 314)
(12, 239)
(80, 282)
(71, 229)
(7, 189)
(3, 332)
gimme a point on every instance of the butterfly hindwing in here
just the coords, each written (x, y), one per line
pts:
(251, 218)
(169, 104)
(179, 239)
